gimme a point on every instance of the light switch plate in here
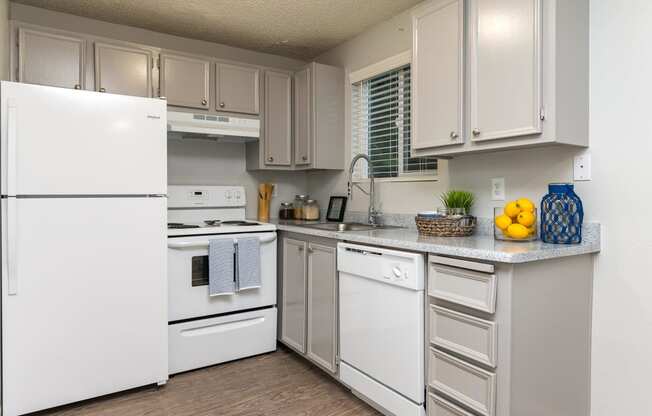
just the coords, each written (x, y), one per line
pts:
(498, 189)
(582, 167)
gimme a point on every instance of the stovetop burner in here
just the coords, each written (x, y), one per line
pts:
(178, 225)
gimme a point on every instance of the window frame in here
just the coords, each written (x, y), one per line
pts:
(370, 71)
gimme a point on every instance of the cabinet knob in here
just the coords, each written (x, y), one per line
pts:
(476, 132)
(222, 104)
(304, 158)
(310, 250)
(454, 135)
(102, 89)
(77, 87)
(300, 248)
(204, 102)
(270, 159)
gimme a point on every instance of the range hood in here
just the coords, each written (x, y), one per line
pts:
(212, 127)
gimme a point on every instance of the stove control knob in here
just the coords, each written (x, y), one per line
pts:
(229, 195)
(238, 195)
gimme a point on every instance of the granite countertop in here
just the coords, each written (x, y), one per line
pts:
(480, 246)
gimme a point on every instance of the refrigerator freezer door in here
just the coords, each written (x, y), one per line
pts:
(88, 315)
(57, 141)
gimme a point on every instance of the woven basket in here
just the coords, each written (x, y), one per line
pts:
(446, 227)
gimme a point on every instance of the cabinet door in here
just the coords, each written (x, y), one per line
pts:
(123, 70)
(293, 302)
(50, 59)
(438, 74)
(322, 305)
(237, 89)
(505, 68)
(302, 117)
(185, 81)
(278, 119)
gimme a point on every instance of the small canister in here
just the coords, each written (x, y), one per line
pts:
(299, 202)
(311, 210)
(286, 212)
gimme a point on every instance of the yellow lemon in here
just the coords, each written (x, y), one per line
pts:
(517, 231)
(532, 230)
(526, 218)
(525, 205)
(503, 221)
(512, 210)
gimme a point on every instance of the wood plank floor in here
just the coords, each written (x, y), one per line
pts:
(276, 384)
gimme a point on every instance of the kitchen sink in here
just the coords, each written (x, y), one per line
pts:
(348, 226)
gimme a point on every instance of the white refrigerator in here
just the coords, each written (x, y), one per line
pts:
(84, 288)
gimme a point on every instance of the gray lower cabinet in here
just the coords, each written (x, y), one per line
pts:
(506, 339)
(123, 69)
(293, 294)
(308, 298)
(237, 88)
(50, 58)
(277, 132)
(185, 81)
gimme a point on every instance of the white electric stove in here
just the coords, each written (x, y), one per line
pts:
(206, 330)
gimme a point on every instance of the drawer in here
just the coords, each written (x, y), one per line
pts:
(438, 406)
(465, 287)
(464, 334)
(470, 385)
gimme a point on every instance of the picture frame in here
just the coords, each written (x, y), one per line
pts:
(336, 208)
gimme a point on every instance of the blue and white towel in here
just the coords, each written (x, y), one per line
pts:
(248, 263)
(221, 267)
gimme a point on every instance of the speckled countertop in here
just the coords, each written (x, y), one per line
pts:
(479, 247)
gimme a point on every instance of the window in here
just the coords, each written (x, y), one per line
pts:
(380, 127)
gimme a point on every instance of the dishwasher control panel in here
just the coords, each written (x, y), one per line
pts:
(400, 268)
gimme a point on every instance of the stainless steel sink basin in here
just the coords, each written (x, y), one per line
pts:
(347, 226)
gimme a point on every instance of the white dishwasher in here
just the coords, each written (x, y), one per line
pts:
(382, 326)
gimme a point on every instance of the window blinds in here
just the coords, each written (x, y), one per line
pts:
(380, 123)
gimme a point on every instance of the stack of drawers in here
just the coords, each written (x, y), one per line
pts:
(462, 338)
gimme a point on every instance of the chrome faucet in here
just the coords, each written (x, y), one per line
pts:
(372, 214)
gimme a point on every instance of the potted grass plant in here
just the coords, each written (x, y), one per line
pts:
(456, 222)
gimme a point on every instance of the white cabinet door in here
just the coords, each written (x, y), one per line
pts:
(84, 298)
(278, 119)
(62, 141)
(302, 117)
(293, 321)
(505, 68)
(438, 74)
(322, 305)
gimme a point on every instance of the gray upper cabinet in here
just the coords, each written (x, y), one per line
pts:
(237, 88)
(522, 68)
(302, 117)
(185, 81)
(293, 297)
(505, 68)
(277, 133)
(121, 69)
(49, 58)
(438, 74)
(319, 119)
(322, 305)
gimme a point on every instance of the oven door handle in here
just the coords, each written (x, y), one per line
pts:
(204, 244)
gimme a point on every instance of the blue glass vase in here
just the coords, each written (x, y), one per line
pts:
(562, 215)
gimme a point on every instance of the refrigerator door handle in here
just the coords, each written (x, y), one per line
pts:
(12, 271)
(11, 148)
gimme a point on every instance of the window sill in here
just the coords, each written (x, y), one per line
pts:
(400, 179)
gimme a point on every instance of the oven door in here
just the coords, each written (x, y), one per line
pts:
(188, 278)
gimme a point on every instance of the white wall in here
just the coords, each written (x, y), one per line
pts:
(619, 196)
(203, 162)
(382, 41)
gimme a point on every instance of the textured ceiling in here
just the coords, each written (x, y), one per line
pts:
(300, 29)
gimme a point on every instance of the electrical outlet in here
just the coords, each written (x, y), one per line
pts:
(498, 189)
(582, 167)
